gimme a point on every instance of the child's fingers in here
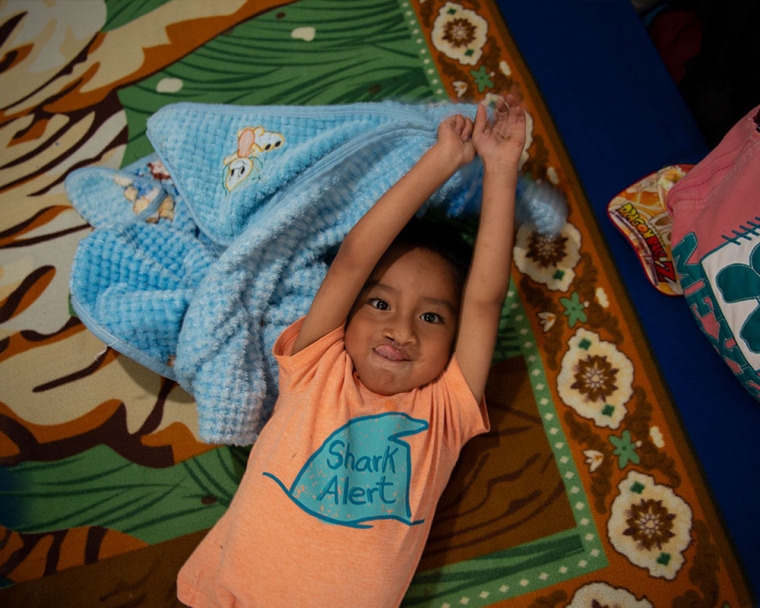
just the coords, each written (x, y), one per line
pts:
(516, 111)
(481, 121)
(467, 129)
(517, 115)
(463, 127)
(453, 122)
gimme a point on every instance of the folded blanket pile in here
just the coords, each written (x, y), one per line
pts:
(205, 251)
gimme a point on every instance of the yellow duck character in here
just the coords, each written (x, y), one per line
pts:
(252, 142)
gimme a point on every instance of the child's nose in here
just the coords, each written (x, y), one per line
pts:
(401, 329)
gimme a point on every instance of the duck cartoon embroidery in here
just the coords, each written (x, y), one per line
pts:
(252, 142)
(142, 195)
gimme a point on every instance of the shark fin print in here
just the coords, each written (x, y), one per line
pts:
(361, 473)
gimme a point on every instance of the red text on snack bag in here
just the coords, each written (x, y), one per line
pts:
(663, 266)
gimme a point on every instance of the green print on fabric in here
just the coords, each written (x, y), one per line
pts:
(362, 472)
(741, 282)
(704, 304)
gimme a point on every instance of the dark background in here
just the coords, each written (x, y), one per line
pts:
(631, 92)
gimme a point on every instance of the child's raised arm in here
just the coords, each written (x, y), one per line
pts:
(368, 240)
(499, 145)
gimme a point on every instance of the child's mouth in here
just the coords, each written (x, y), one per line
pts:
(390, 352)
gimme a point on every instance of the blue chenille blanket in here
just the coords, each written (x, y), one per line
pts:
(203, 252)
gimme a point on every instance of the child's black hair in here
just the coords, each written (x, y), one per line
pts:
(441, 238)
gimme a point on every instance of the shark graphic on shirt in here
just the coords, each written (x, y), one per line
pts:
(361, 473)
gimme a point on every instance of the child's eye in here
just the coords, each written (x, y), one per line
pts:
(431, 317)
(378, 303)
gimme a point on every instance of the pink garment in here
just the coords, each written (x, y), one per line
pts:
(716, 247)
(340, 490)
(722, 192)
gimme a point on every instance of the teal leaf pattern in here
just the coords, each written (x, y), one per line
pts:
(750, 331)
(120, 13)
(480, 571)
(741, 282)
(754, 259)
(367, 56)
(100, 488)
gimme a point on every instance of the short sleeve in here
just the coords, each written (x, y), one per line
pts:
(297, 370)
(465, 416)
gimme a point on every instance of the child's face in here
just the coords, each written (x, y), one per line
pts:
(402, 327)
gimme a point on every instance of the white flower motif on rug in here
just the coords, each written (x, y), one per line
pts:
(549, 260)
(595, 379)
(650, 525)
(459, 33)
(602, 594)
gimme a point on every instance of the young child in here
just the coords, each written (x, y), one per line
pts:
(381, 384)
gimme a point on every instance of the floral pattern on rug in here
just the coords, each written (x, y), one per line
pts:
(585, 493)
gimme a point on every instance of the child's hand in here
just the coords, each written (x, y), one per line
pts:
(455, 137)
(500, 142)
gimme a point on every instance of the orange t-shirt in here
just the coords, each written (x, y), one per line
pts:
(340, 489)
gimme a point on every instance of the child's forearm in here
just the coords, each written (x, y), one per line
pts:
(366, 243)
(499, 144)
(489, 277)
(369, 239)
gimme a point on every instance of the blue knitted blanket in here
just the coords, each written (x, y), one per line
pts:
(203, 252)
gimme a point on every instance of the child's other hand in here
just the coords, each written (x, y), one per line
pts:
(500, 142)
(455, 137)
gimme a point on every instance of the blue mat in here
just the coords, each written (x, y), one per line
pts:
(621, 117)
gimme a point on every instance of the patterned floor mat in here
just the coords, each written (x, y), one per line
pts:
(584, 493)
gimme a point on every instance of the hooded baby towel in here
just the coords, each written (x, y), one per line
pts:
(204, 252)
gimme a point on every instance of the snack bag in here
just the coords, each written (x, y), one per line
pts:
(640, 213)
